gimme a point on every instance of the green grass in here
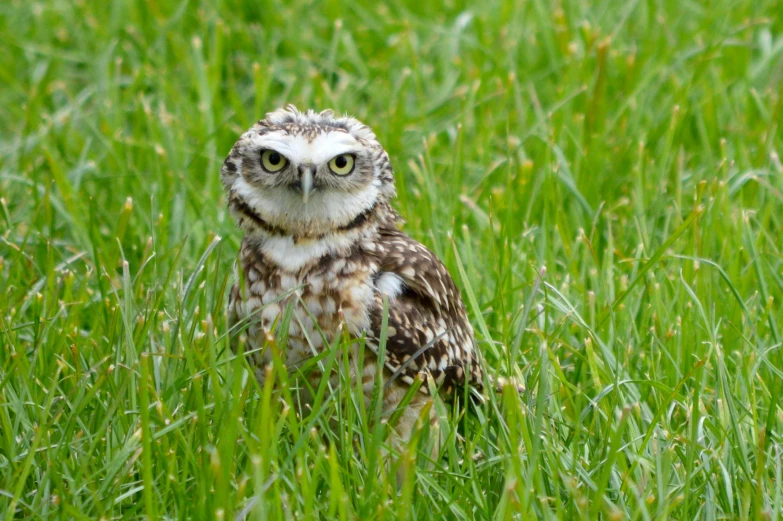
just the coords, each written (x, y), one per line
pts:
(602, 179)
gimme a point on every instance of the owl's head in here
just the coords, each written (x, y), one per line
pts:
(306, 173)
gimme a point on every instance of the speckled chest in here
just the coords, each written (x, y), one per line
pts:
(328, 294)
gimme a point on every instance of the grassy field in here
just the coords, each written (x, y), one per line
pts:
(603, 180)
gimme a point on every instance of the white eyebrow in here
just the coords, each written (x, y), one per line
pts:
(298, 149)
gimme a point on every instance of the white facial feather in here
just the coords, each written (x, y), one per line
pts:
(298, 149)
(282, 207)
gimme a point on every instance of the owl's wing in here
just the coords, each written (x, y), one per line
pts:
(428, 331)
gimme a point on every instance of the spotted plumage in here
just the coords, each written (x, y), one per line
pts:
(312, 192)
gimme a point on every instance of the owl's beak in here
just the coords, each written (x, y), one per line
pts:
(306, 182)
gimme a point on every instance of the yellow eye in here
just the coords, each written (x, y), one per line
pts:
(342, 164)
(272, 161)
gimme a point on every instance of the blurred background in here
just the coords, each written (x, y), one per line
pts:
(544, 128)
(532, 115)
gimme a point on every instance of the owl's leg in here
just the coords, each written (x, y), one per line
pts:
(412, 420)
(418, 419)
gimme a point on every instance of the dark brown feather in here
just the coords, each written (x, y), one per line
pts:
(428, 330)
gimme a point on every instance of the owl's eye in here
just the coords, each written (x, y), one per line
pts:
(342, 164)
(272, 161)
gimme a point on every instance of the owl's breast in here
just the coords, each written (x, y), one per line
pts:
(333, 297)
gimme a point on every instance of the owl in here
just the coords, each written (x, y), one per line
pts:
(312, 193)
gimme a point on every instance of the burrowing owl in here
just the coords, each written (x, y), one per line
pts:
(312, 193)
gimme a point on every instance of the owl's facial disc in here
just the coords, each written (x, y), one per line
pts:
(307, 183)
(306, 174)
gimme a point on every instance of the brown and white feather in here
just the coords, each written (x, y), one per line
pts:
(335, 256)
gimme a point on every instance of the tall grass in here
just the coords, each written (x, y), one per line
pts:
(603, 180)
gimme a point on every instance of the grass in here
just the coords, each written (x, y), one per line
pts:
(603, 180)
